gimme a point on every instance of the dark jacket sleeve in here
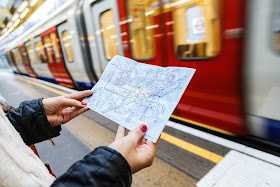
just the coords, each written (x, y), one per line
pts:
(102, 167)
(30, 120)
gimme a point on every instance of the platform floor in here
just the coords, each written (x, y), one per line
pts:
(184, 157)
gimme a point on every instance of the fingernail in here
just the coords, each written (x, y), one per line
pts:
(143, 128)
(83, 103)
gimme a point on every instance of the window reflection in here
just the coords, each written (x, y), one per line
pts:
(31, 54)
(109, 34)
(141, 28)
(67, 46)
(48, 47)
(40, 52)
(55, 41)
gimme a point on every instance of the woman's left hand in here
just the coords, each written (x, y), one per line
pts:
(62, 109)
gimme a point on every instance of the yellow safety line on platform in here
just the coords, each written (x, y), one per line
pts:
(203, 125)
(167, 137)
(191, 148)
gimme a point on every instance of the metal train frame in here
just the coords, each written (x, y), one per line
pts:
(231, 91)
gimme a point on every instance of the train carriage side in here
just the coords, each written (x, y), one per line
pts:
(62, 46)
(72, 53)
(37, 57)
(193, 34)
(54, 58)
(262, 69)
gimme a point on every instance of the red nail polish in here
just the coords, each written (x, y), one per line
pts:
(143, 128)
(83, 103)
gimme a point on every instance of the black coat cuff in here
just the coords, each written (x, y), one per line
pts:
(30, 120)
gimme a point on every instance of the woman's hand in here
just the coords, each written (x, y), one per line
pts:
(138, 151)
(62, 109)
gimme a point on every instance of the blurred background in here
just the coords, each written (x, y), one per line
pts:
(233, 45)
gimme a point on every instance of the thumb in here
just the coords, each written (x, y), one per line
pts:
(138, 133)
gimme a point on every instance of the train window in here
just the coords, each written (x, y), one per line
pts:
(196, 27)
(67, 46)
(31, 54)
(141, 28)
(55, 41)
(109, 34)
(40, 52)
(48, 47)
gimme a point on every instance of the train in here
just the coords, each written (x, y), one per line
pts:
(233, 45)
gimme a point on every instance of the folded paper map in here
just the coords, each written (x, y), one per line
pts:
(132, 93)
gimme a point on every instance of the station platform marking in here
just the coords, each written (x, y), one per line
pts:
(238, 169)
(226, 143)
(213, 157)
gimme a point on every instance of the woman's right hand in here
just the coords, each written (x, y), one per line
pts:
(138, 151)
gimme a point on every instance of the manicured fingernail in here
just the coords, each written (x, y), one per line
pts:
(143, 128)
(83, 103)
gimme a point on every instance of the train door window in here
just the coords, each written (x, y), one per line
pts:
(67, 46)
(109, 35)
(48, 47)
(55, 41)
(196, 28)
(141, 28)
(31, 54)
(40, 52)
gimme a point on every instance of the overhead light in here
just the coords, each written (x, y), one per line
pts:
(24, 13)
(16, 22)
(2, 37)
(11, 28)
(4, 30)
(15, 17)
(33, 2)
(6, 33)
(23, 5)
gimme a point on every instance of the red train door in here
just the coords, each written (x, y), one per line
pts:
(198, 35)
(54, 58)
(26, 61)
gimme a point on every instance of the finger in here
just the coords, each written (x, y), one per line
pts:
(80, 95)
(137, 133)
(77, 111)
(153, 145)
(120, 132)
(71, 103)
(143, 141)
